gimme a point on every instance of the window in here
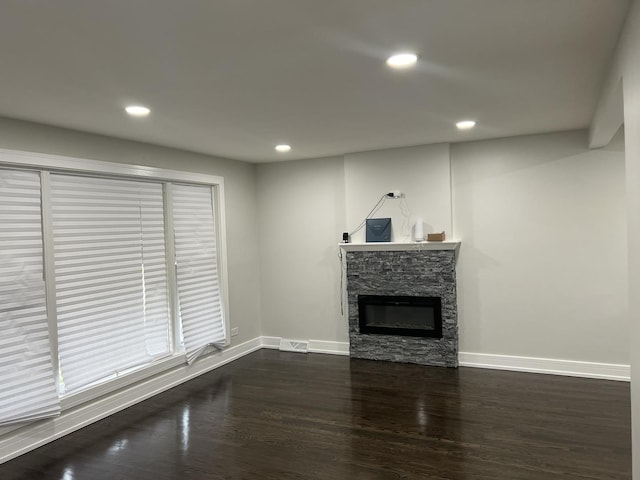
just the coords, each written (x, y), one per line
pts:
(26, 369)
(110, 276)
(197, 273)
(133, 275)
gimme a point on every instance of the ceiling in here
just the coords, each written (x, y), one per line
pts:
(234, 78)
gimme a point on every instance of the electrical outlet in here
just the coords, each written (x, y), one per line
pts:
(234, 331)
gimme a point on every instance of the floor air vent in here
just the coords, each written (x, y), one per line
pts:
(294, 346)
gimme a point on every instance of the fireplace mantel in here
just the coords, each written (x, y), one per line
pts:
(398, 246)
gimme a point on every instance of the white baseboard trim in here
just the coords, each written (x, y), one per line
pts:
(270, 342)
(34, 435)
(571, 368)
(315, 346)
(331, 348)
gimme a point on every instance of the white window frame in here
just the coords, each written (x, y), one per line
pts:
(47, 163)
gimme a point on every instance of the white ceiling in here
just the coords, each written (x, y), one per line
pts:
(236, 77)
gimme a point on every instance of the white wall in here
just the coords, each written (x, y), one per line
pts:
(542, 268)
(542, 224)
(240, 191)
(304, 206)
(421, 173)
(301, 220)
(631, 95)
(625, 69)
(632, 150)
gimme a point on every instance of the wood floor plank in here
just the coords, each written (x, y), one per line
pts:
(276, 415)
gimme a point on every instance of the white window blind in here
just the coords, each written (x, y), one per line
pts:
(198, 284)
(110, 275)
(27, 382)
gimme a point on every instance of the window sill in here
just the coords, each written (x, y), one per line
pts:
(91, 393)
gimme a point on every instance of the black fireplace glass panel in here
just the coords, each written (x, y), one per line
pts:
(400, 315)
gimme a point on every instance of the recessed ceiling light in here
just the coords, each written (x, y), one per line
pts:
(465, 124)
(137, 110)
(283, 148)
(402, 60)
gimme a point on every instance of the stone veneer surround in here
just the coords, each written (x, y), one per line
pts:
(414, 272)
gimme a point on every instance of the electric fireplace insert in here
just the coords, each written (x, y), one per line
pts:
(400, 315)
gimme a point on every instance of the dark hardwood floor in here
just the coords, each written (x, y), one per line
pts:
(274, 415)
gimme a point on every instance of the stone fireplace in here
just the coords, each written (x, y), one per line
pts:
(418, 274)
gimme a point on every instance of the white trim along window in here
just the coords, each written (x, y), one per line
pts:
(107, 271)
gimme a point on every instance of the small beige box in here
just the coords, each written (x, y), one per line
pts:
(436, 237)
